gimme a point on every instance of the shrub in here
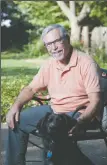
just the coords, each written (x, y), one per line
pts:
(101, 57)
(78, 45)
(10, 88)
(35, 49)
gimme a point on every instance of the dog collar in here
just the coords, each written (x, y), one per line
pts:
(49, 154)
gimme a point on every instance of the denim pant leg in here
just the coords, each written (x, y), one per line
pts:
(75, 116)
(104, 119)
(17, 140)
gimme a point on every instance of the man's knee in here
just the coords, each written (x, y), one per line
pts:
(30, 117)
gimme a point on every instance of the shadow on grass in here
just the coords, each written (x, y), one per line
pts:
(19, 71)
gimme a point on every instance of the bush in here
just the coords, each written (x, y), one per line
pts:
(35, 49)
(78, 45)
(10, 88)
(101, 57)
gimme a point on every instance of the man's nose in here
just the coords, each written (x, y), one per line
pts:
(54, 46)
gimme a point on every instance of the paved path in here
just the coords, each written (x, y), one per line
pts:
(94, 150)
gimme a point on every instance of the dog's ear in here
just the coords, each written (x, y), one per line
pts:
(41, 125)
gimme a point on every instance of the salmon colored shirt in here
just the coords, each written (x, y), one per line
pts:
(69, 88)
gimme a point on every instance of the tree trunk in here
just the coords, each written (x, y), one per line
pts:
(85, 36)
(75, 31)
(70, 13)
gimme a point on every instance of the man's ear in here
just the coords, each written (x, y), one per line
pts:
(41, 125)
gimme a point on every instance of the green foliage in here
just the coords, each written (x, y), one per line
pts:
(10, 88)
(13, 80)
(78, 45)
(35, 49)
(15, 75)
(29, 51)
(101, 57)
(41, 13)
(99, 10)
(15, 35)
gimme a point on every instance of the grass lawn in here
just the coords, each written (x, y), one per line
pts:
(13, 67)
(30, 63)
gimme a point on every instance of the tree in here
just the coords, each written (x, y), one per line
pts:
(40, 15)
(83, 14)
(13, 26)
(75, 21)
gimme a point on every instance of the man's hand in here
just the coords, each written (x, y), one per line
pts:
(12, 116)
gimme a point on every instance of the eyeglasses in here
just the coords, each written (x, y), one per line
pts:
(56, 42)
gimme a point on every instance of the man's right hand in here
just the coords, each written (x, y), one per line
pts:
(13, 116)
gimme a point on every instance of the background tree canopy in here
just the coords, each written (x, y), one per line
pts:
(28, 20)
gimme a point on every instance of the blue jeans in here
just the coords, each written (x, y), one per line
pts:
(17, 139)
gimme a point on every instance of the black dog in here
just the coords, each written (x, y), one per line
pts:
(58, 147)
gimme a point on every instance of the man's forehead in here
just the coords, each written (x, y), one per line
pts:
(52, 35)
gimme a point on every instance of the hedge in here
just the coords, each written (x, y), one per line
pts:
(10, 88)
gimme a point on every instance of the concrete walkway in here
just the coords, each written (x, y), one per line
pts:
(94, 150)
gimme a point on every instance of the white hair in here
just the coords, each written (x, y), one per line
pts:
(62, 30)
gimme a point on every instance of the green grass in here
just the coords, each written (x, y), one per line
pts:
(16, 63)
(30, 63)
(16, 54)
(24, 67)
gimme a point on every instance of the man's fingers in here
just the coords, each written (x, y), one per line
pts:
(17, 117)
(11, 124)
(10, 120)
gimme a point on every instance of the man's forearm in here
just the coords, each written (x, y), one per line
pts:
(24, 97)
(90, 112)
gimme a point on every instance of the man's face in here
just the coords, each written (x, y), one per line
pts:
(57, 46)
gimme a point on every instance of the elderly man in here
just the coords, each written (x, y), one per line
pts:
(72, 79)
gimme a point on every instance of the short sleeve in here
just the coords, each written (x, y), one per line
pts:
(40, 80)
(91, 77)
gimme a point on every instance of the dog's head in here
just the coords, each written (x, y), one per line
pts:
(55, 125)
